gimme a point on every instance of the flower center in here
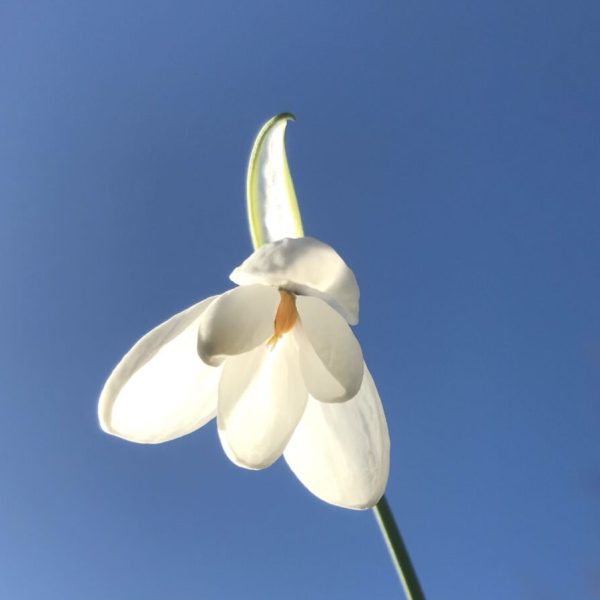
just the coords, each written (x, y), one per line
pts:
(285, 317)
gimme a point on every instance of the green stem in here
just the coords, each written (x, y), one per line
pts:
(397, 549)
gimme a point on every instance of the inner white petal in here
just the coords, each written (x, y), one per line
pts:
(236, 322)
(330, 355)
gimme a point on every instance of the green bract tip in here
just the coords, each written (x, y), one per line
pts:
(271, 200)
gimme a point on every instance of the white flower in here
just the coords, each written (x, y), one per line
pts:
(277, 363)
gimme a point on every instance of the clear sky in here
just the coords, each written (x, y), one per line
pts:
(448, 150)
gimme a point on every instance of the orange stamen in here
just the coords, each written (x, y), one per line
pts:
(285, 317)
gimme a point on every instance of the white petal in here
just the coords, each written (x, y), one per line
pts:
(236, 322)
(340, 452)
(330, 356)
(161, 390)
(305, 266)
(261, 399)
(272, 206)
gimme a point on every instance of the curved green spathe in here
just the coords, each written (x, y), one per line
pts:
(272, 206)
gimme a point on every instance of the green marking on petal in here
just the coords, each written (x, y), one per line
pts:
(271, 200)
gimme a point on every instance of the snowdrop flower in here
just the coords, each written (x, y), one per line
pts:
(274, 359)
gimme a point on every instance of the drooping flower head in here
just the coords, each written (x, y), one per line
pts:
(274, 359)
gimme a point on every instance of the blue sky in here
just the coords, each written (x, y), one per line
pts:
(448, 150)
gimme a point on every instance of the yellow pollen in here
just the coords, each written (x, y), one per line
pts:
(285, 317)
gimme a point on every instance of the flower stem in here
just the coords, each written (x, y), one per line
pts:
(398, 552)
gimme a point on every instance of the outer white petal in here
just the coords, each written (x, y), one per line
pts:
(261, 399)
(305, 266)
(272, 206)
(238, 321)
(340, 452)
(161, 390)
(330, 356)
